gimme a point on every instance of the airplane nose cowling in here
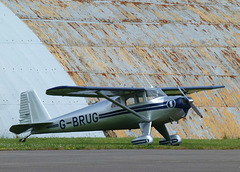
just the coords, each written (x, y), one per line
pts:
(183, 103)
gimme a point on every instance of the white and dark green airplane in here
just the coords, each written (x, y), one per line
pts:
(124, 108)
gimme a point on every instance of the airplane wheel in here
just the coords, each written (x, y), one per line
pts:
(175, 141)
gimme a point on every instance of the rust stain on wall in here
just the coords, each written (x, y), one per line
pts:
(143, 43)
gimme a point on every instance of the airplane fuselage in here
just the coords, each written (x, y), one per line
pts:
(105, 116)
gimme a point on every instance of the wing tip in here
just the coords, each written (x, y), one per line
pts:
(218, 86)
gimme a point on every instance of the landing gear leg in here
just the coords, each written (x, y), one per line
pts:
(173, 140)
(25, 138)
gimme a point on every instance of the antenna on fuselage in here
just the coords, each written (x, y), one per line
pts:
(148, 81)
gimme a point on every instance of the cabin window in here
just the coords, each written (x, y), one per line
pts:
(134, 99)
(139, 99)
(130, 101)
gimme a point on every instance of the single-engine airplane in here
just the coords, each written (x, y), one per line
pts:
(124, 108)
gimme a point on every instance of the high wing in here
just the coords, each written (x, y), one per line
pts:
(101, 92)
(171, 91)
(92, 91)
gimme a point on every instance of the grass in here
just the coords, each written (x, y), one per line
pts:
(110, 143)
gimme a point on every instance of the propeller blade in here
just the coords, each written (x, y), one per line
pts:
(187, 98)
(190, 101)
(182, 92)
(196, 110)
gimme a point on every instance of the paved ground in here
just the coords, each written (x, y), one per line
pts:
(121, 160)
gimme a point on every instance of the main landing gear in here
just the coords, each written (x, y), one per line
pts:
(146, 138)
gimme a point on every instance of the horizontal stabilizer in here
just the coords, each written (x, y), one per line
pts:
(20, 128)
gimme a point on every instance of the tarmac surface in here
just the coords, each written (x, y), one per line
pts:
(121, 160)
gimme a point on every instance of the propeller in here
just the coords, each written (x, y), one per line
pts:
(190, 101)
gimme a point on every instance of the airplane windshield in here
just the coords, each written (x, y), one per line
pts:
(153, 93)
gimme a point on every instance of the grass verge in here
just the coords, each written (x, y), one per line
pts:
(111, 143)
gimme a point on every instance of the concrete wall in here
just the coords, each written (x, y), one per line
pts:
(26, 64)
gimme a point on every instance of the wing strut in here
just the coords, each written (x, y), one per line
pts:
(123, 106)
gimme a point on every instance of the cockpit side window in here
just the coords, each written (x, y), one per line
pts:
(139, 98)
(130, 101)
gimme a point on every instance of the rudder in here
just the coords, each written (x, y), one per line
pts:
(31, 108)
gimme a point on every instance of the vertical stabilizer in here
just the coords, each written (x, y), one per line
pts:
(31, 108)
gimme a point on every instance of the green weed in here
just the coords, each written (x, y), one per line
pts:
(111, 143)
